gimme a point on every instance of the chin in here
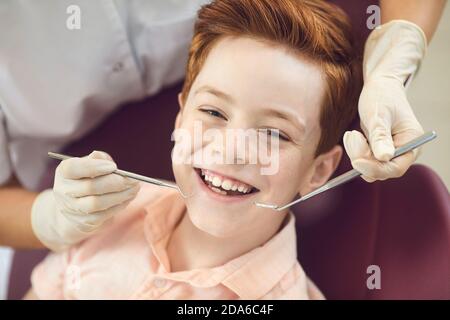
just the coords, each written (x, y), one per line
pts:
(214, 224)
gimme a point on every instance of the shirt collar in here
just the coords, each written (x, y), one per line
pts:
(250, 276)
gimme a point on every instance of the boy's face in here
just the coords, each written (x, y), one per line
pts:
(250, 84)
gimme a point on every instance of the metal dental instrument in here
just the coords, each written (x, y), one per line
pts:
(128, 174)
(349, 175)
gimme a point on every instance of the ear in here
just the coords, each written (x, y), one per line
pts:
(322, 169)
(178, 117)
(180, 101)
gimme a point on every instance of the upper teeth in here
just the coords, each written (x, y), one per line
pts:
(226, 184)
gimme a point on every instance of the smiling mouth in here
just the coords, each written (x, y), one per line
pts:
(224, 185)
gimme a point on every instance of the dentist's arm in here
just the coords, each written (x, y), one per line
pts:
(392, 54)
(85, 196)
(426, 14)
(15, 217)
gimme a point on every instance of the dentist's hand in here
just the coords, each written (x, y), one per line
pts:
(392, 54)
(85, 196)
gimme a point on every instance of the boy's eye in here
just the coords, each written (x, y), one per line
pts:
(275, 133)
(213, 113)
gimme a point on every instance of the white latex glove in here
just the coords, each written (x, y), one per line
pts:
(393, 53)
(85, 196)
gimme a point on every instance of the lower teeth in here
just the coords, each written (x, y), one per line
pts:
(218, 190)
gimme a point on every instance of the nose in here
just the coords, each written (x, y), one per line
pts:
(235, 146)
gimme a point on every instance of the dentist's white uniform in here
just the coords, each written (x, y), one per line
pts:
(56, 84)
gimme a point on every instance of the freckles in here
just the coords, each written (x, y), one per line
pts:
(291, 155)
(292, 165)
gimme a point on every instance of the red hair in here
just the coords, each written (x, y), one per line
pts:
(314, 29)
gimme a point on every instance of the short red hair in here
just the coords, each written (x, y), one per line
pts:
(314, 29)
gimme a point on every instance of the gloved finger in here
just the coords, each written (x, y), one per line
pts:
(409, 133)
(77, 168)
(361, 157)
(89, 222)
(92, 204)
(356, 145)
(370, 180)
(96, 186)
(380, 137)
(100, 155)
(372, 169)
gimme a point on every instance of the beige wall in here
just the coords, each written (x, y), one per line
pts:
(429, 96)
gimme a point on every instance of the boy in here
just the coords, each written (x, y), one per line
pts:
(283, 68)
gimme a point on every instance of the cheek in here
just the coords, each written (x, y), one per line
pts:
(187, 139)
(293, 169)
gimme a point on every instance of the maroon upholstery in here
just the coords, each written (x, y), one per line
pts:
(357, 11)
(401, 225)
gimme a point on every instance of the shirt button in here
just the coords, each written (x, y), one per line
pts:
(118, 67)
(159, 283)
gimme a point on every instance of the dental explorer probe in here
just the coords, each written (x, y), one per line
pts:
(128, 174)
(349, 175)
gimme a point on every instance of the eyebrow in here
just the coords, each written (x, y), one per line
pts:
(215, 92)
(288, 116)
(285, 115)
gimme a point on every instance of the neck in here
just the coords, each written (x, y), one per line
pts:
(191, 248)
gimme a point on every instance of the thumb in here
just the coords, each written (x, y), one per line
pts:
(358, 151)
(356, 145)
(100, 155)
(380, 139)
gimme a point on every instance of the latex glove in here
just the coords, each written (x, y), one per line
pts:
(85, 196)
(393, 53)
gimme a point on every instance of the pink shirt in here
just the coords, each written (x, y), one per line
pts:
(128, 260)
